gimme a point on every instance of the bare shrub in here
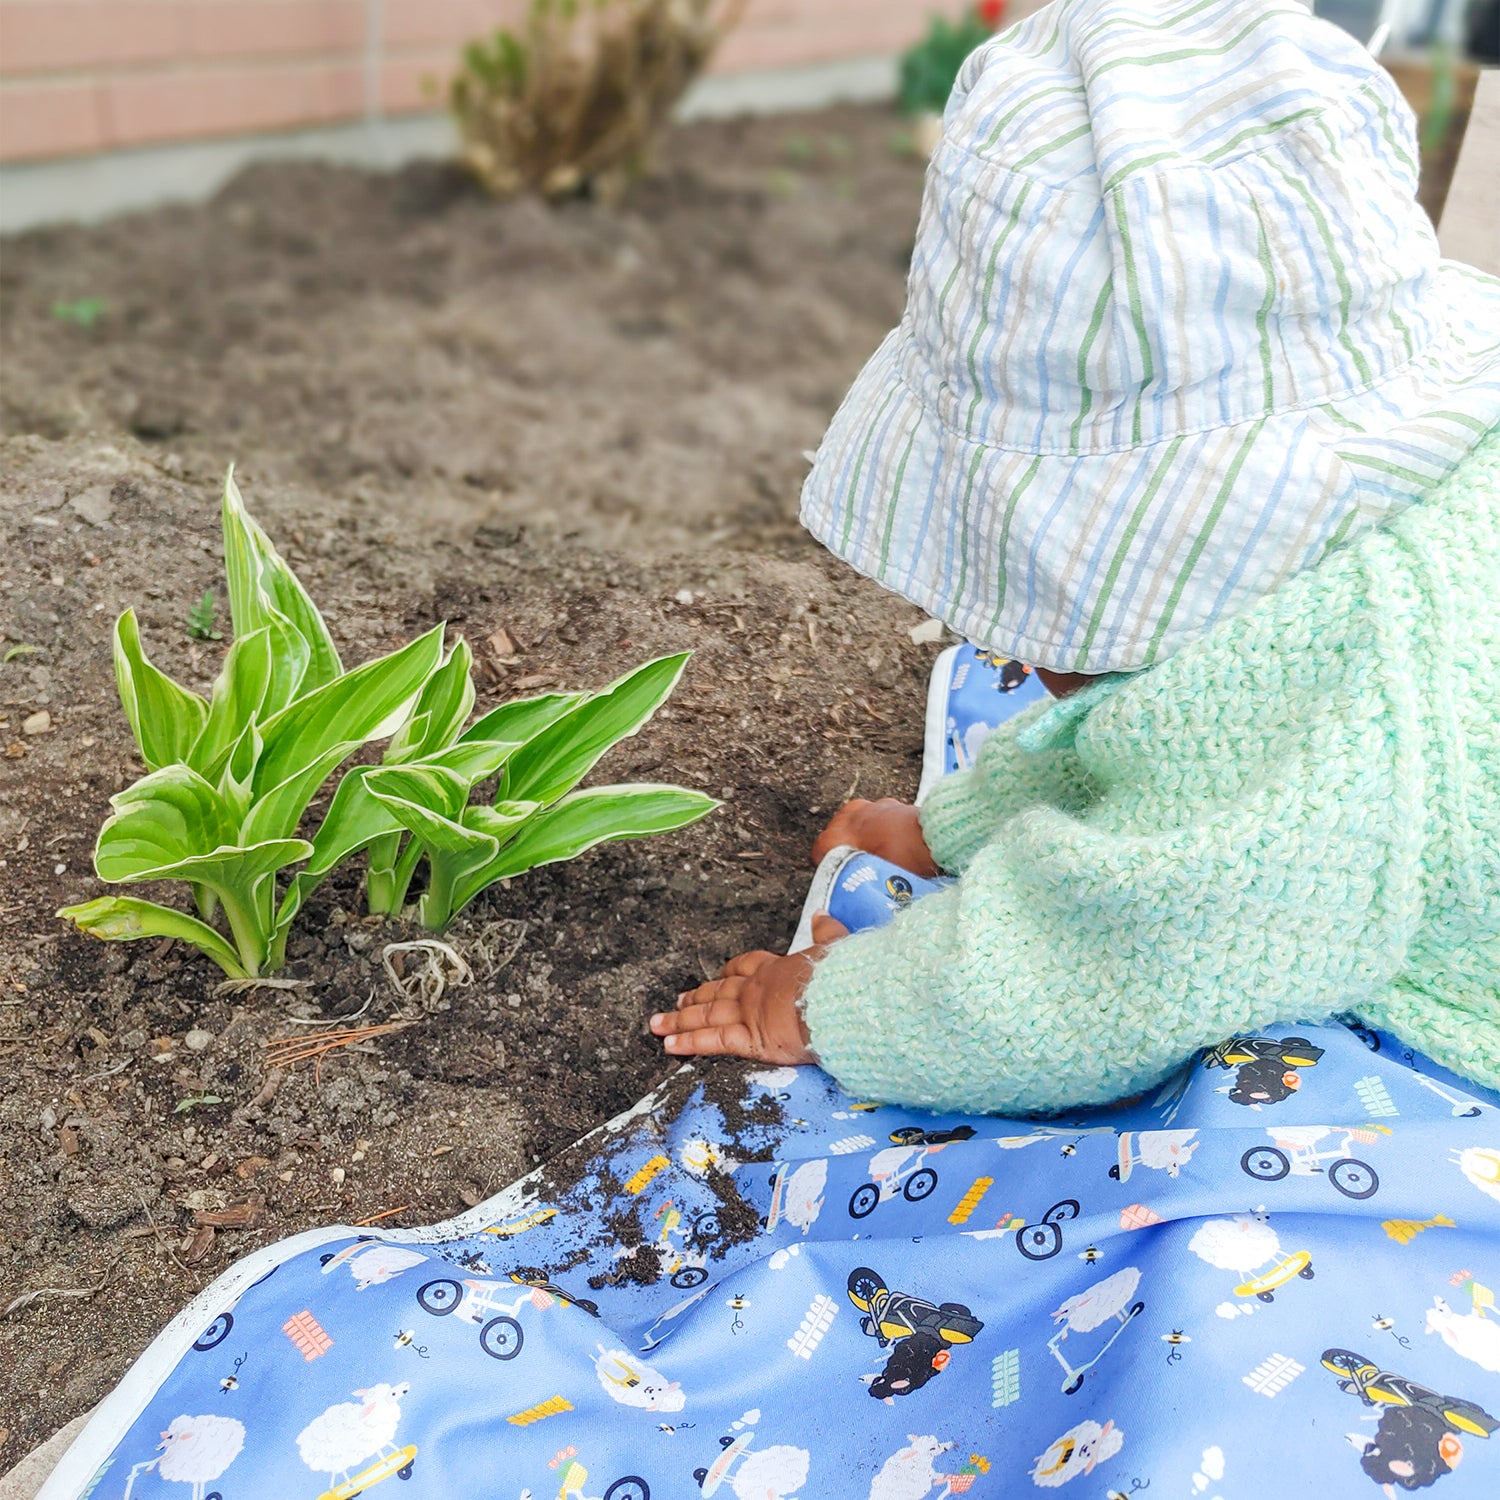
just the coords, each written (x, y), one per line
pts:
(576, 97)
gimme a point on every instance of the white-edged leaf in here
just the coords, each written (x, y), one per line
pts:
(561, 755)
(164, 716)
(124, 919)
(584, 819)
(440, 711)
(522, 718)
(260, 583)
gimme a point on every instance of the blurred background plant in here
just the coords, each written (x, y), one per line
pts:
(575, 99)
(929, 69)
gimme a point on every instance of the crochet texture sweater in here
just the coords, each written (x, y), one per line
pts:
(1296, 816)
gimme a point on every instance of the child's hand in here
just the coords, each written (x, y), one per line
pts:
(889, 828)
(751, 1009)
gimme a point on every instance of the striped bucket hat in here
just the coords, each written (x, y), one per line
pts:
(1176, 329)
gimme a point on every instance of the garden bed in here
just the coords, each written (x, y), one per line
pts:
(583, 428)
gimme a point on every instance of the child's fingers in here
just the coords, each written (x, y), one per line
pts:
(826, 929)
(746, 964)
(720, 1011)
(715, 1027)
(735, 1041)
(715, 989)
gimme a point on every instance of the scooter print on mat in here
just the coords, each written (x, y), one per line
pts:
(1294, 1151)
(194, 1451)
(1421, 1432)
(1112, 1300)
(920, 1334)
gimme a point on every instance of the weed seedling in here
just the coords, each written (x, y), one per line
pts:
(82, 313)
(201, 618)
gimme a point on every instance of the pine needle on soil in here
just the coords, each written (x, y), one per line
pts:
(284, 1051)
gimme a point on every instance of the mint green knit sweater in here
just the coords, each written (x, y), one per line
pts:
(1297, 815)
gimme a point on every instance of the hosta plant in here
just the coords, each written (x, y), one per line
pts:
(230, 778)
(415, 807)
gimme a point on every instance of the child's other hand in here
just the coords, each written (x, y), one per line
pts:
(889, 828)
(751, 1009)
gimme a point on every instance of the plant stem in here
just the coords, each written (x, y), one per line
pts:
(437, 904)
(388, 884)
(250, 936)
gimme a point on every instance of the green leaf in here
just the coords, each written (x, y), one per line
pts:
(440, 711)
(581, 821)
(519, 720)
(239, 693)
(164, 717)
(167, 817)
(450, 887)
(354, 820)
(123, 919)
(260, 583)
(474, 760)
(558, 758)
(309, 738)
(200, 620)
(430, 802)
(195, 1101)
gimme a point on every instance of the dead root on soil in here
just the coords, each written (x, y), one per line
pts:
(27, 1298)
(440, 967)
(244, 986)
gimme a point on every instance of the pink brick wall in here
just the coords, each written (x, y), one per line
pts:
(80, 76)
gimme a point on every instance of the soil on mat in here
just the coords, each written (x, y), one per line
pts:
(581, 427)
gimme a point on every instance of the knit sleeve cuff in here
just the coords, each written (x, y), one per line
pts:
(865, 1002)
(957, 820)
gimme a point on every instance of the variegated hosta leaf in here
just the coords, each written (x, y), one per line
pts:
(262, 586)
(124, 919)
(165, 717)
(308, 739)
(439, 712)
(523, 718)
(582, 820)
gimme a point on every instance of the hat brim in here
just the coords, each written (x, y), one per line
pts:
(1108, 561)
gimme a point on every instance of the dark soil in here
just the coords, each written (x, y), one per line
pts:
(582, 426)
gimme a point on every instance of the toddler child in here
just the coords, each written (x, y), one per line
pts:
(1186, 412)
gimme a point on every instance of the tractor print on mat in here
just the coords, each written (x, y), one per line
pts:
(920, 1334)
(1421, 1432)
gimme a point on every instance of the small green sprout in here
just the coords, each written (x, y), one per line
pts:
(201, 619)
(83, 312)
(195, 1101)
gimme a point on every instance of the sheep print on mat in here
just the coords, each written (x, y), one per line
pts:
(1270, 1278)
